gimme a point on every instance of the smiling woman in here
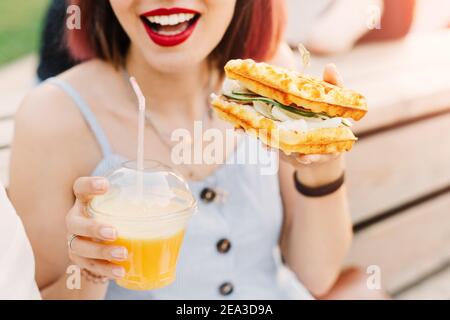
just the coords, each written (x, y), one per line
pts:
(170, 27)
(83, 124)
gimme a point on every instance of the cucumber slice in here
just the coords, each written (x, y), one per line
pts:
(264, 109)
(252, 97)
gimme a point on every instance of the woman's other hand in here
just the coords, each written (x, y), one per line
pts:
(89, 242)
(319, 169)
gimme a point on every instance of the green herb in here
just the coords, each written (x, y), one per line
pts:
(250, 97)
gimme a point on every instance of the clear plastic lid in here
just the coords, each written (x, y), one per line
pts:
(156, 192)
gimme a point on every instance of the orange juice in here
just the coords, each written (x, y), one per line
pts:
(150, 222)
(151, 263)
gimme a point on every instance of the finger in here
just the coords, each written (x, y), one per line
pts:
(332, 75)
(87, 227)
(316, 158)
(301, 160)
(296, 158)
(86, 188)
(99, 267)
(310, 158)
(291, 158)
(88, 249)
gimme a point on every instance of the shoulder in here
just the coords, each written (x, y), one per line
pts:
(85, 74)
(48, 112)
(45, 109)
(49, 118)
(284, 57)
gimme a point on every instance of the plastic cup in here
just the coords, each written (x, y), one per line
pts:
(150, 209)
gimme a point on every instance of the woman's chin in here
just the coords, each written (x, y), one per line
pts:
(173, 62)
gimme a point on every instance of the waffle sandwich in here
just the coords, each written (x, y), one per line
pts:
(288, 110)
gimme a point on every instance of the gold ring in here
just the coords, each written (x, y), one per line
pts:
(69, 243)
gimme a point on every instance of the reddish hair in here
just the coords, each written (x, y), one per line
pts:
(255, 32)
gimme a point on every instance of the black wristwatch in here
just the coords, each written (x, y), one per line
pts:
(320, 191)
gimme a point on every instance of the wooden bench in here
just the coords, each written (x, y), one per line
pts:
(15, 80)
(6, 133)
(398, 172)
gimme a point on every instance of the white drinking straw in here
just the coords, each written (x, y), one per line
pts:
(141, 127)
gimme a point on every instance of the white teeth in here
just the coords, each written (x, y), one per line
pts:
(164, 20)
(171, 20)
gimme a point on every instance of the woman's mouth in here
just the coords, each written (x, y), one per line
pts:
(170, 27)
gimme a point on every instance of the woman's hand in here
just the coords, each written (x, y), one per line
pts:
(87, 239)
(318, 169)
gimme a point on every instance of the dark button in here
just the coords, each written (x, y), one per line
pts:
(208, 195)
(226, 289)
(223, 245)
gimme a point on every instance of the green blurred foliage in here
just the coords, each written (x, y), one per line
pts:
(20, 27)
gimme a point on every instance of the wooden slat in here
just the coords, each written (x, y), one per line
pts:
(4, 166)
(401, 79)
(391, 168)
(436, 287)
(16, 80)
(6, 132)
(406, 246)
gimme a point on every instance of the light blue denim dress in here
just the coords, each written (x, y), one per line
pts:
(248, 219)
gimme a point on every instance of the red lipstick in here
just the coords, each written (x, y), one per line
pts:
(166, 40)
(168, 11)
